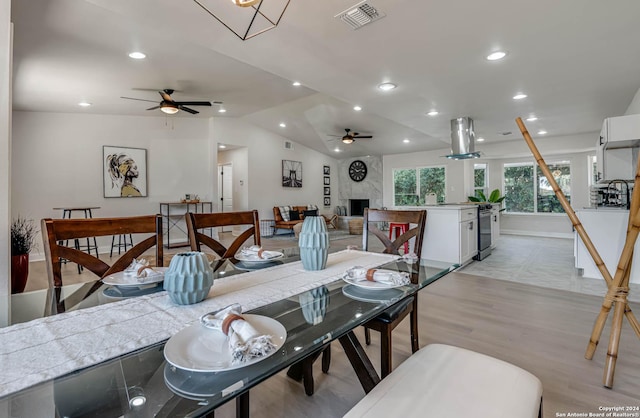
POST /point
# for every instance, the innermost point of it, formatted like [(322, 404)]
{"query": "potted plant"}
[(494, 197), (23, 240)]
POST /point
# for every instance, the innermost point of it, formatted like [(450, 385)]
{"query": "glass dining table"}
[(142, 383)]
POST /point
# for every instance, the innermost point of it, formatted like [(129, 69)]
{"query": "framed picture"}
[(327, 181), (327, 201), (124, 171), (327, 170), (291, 173), (327, 191)]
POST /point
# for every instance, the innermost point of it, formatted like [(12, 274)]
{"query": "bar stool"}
[(399, 229), (88, 247), (122, 243)]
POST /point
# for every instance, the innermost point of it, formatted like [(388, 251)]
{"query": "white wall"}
[(239, 158), (57, 162), (265, 154), (634, 107), (5, 160), (459, 179)]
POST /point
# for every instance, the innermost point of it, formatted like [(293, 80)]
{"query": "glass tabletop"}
[(143, 384)]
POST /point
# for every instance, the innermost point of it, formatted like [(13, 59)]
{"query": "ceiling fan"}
[(349, 138), (170, 106)]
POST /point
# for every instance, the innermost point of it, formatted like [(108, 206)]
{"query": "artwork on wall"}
[(327, 191), (327, 181), (291, 173), (327, 201), (327, 170), (124, 171)]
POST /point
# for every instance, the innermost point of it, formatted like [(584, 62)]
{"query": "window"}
[(412, 184), (480, 179), (593, 170), (528, 190)]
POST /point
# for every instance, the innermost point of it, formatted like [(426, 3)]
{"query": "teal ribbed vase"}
[(188, 278), (314, 243)]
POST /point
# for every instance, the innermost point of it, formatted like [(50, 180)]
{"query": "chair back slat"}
[(199, 221), (56, 233), (417, 218)]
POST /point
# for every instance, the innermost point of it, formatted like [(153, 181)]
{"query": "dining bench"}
[(443, 381)]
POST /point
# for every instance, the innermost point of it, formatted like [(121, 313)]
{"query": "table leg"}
[(242, 405), (359, 361)]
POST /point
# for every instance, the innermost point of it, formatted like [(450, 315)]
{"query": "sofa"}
[(287, 217)]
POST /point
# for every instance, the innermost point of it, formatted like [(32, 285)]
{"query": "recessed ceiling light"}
[(357, 108), (519, 96), (542, 132), (137, 55), (297, 83), (496, 55), (532, 119), (432, 113), (387, 86), (222, 146), (480, 139), (336, 149), (406, 140), (283, 125), (84, 104), (222, 110)]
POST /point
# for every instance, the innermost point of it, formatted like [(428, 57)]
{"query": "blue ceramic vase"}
[(314, 243), (188, 278)]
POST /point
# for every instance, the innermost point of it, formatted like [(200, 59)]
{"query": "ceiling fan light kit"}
[(349, 138), (170, 106), (246, 18)]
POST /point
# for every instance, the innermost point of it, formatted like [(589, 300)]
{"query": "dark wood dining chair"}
[(57, 232), (199, 221), (393, 316)]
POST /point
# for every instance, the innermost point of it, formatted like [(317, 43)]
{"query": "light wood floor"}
[(544, 331)]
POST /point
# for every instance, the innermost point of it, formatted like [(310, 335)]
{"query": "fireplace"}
[(356, 206)]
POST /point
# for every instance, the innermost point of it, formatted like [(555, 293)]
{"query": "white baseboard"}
[(545, 234)]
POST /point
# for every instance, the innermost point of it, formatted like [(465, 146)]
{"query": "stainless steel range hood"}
[(462, 139)]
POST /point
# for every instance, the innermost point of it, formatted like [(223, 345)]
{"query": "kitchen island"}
[(451, 232), (607, 229)]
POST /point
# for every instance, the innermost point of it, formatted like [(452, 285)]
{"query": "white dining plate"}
[(200, 349), (366, 295), (127, 280), (366, 284), (272, 255)]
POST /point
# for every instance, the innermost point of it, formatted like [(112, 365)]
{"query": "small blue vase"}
[(188, 278), (314, 243)]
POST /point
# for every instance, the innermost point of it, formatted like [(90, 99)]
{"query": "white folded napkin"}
[(256, 252), (245, 342), (135, 266), (389, 277)]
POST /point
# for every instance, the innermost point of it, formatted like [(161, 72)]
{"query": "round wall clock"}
[(357, 170)]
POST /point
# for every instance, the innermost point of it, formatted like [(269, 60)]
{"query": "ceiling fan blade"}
[(142, 100), (165, 96), (186, 109), (193, 103), (154, 108), (364, 136)]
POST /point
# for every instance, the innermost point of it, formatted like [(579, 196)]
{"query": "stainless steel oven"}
[(484, 231)]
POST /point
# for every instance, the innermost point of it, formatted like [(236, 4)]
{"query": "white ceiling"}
[(578, 61)]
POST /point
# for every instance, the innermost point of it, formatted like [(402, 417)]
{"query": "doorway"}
[(225, 187)]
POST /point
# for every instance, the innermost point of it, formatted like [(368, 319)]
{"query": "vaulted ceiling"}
[(578, 62)]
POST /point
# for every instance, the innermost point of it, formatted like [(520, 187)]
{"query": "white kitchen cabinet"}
[(614, 152), (607, 229), (495, 225), (451, 233), (468, 240)]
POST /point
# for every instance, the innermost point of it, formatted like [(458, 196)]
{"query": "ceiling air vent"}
[(288, 145), (359, 15)]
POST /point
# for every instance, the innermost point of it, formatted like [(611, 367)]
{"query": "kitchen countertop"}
[(448, 206)]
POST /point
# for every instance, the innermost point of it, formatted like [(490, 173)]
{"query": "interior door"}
[(225, 186)]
